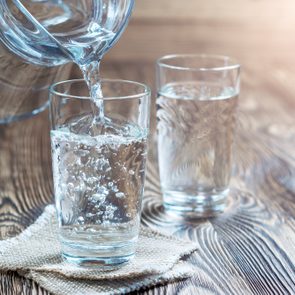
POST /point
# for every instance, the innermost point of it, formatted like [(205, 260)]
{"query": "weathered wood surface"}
[(250, 249)]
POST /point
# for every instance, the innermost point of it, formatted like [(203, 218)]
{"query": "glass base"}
[(191, 206), (106, 263), (25, 115), (106, 257)]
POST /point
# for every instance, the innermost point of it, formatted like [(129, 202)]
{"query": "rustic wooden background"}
[(250, 249)]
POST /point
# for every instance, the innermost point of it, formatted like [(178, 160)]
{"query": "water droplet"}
[(91, 230)]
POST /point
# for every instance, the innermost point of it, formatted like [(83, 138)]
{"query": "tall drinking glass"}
[(99, 176), (196, 111)]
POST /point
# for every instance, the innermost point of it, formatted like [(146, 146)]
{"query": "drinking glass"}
[(99, 177), (196, 110)]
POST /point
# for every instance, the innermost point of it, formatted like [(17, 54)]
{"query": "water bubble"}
[(70, 189), (109, 212), (128, 214), (80, 220), (98, 198), (101, 164), (131, 172), (91, 180), (71, 186), (91, 230), (82, 153), (102, 190), (80, 187), (120, 195)]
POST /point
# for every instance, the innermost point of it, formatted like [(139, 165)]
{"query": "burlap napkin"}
[(35, 254)]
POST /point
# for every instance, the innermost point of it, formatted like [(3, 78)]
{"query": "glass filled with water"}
[(196, 111), (99, 169)]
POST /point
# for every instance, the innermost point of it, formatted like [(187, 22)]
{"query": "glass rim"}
[(232, 66), (146, 89)]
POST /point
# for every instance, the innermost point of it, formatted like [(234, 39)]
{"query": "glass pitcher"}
[(40, 39)]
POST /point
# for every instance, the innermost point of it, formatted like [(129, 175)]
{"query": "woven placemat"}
[(35, 254)]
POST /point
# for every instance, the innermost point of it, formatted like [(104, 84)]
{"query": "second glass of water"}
[(99, 174), (196, 111)]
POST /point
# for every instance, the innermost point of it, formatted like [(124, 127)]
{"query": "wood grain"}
[(250, 248)]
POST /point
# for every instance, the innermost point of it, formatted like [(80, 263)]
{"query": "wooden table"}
[(250, 249)]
